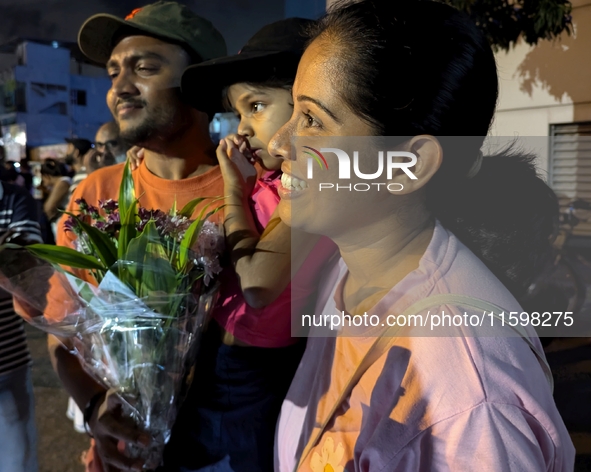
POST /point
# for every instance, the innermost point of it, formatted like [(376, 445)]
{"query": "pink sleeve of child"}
[(265, 198)]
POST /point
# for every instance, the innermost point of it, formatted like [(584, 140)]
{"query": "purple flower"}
[(173, 226), (114, 218), (86, 209), (211, 240), (209, 246), (111, 225), (93, 212), (83, 206), (109, 206), (71, 224), (147, 215), (101, 225)]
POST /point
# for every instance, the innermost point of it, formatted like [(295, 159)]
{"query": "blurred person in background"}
[(97, 160), (56, 184), (18, 448), (108, 139), (8, 173), (25, 172), (13, 169), (75, 154)]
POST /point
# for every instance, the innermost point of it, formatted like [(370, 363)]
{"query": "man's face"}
[(107, 139), (144, 96)]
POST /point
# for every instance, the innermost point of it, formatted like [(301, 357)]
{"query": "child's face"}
[(262, 111)]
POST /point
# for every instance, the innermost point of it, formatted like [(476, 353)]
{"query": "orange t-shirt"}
[(153, 192)]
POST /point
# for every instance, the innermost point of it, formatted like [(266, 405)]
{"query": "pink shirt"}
[(271, 326), (454, 402)]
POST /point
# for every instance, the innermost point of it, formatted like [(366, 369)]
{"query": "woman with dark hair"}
[(463, 238)]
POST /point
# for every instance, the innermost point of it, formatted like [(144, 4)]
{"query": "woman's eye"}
[(311, 122)]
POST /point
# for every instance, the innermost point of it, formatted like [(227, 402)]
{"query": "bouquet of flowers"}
[(134, 296)]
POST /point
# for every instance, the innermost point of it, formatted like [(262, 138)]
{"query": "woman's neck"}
[(379, 257)]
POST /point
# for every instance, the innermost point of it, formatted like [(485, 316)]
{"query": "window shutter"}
[(570, 167)]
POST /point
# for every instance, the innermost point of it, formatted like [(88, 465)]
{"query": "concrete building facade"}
[(52, 93)]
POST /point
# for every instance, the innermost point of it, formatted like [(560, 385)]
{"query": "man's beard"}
[(142, 133), (159, 127)]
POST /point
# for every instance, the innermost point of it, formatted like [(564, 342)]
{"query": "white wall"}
[(546, 84)]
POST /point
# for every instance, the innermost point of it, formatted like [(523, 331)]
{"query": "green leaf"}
[(150, 270), (189, 208), (187, 243), (128, 212), (102, 244), (158, 276), (127, 232), (126, 191), (65, 256), (192, 233)]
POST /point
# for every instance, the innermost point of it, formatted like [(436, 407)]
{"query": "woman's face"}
[(319, 114)]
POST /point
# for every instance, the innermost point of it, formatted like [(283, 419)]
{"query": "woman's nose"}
[(280, 144)]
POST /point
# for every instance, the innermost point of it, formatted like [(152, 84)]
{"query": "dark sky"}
[(61, 19)]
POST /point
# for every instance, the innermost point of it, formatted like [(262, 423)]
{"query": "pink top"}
[(453, 402), (270, 326)]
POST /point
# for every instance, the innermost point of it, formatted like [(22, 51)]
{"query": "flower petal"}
[(316, 463), (338, 454), (327, 449)]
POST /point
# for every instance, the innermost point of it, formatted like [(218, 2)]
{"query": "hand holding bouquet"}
[(135, 293)]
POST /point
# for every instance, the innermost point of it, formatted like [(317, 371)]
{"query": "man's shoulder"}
[(108, 172), (102, 183)]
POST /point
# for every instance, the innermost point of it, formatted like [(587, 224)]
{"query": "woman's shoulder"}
[(457, 384)]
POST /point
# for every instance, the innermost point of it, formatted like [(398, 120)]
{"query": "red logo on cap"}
[(132, 14)]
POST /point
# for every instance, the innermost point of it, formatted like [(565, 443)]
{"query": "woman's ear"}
[(429, 156)]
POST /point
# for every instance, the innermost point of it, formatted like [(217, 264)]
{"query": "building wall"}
[(58, 102), (546, 84), (86, 119)]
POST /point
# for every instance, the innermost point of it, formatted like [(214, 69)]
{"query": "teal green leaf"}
[(102, 244), (189, 208), (128, 211), (65, 256), (126, 191), (192, 233)]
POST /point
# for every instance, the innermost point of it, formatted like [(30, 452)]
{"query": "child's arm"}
[(263, 262)]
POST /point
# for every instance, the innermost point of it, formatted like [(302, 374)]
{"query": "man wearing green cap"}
[(145, 55)]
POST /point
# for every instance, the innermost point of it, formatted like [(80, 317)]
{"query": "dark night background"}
[(60, 20)]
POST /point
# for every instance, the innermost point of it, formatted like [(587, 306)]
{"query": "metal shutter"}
[(570, 166)]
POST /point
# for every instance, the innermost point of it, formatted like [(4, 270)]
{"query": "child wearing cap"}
[(246, 365)]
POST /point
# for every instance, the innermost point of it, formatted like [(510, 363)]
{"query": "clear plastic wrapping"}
[(138, 339)]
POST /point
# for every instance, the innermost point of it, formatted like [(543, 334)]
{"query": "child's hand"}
[(238, 172), (135, 156)]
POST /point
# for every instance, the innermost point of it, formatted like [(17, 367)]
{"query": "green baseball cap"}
[(169, 21)]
